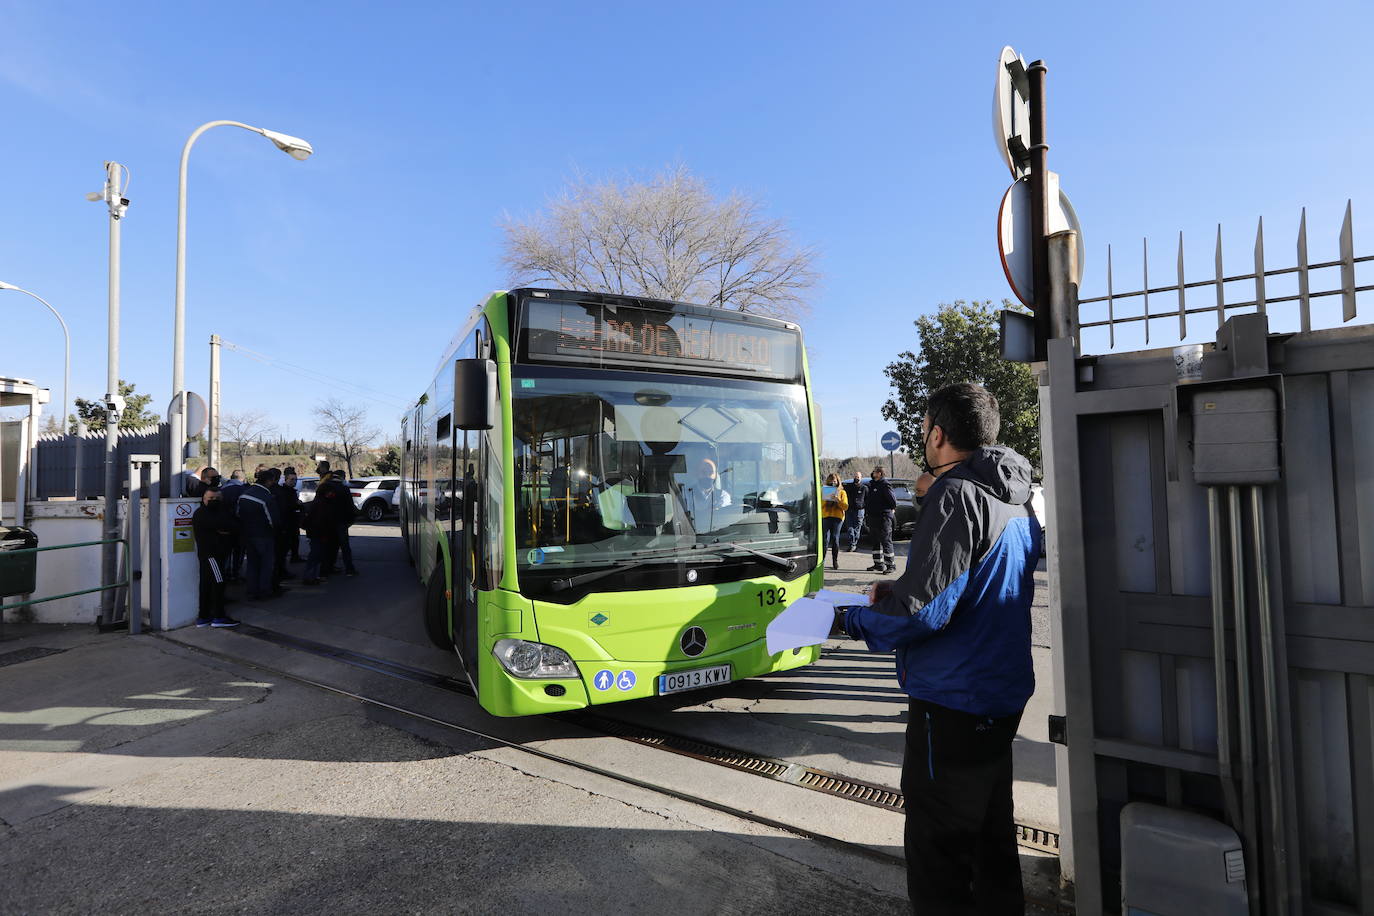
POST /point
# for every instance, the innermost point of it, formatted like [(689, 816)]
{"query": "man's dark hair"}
[(967, 413), (262, 476)]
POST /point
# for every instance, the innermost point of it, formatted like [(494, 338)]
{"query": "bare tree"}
[(667, 238), (244, 429), (347, 426)]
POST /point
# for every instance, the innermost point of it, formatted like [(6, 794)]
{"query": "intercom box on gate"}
[(1236, 432)]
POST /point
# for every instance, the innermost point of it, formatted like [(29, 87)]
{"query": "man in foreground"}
[(959, 620)]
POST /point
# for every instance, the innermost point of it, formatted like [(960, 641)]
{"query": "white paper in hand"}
[(841, 599), (805, 622)]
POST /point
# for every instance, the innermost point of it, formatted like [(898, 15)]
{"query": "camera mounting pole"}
[(116, 185)]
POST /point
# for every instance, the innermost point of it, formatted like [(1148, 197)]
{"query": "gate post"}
[(1080, 862)]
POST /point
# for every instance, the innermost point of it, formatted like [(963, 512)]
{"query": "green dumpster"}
[(18, 573)]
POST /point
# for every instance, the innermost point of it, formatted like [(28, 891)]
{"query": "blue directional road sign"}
[(891, 441)]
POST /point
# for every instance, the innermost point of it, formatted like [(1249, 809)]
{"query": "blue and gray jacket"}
[(959, 615)]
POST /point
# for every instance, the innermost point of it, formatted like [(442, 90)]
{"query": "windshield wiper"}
[(636, 560), (559, 585), (781, 562)]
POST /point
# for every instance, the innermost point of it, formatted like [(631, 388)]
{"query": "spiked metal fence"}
[(1259, 300)]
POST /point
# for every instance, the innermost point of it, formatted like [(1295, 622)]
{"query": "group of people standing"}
[(843, 512), (256, 529)]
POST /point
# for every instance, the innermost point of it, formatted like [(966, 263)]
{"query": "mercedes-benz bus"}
[(609, 497)]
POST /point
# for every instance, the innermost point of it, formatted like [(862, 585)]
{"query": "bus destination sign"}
[(627, 337)]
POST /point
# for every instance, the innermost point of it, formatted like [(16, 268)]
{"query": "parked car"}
[(305, 488), (375, 497), (904, 491)]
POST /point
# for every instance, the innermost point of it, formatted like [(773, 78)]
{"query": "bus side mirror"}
[(474, 393)]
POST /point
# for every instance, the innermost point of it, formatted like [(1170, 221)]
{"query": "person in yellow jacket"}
[(834, 502)]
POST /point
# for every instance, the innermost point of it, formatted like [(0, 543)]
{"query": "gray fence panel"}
[(56, 459), (1150, 730)]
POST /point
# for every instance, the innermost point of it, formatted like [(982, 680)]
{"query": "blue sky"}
[(867, 127)]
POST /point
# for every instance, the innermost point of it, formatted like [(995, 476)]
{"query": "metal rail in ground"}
[(818, 780)]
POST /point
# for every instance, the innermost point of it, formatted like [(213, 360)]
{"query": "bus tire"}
[(436, 611)]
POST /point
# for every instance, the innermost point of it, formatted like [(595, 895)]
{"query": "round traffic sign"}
[(1010, 109), (1014, 234), (196, 412), (891, 441)]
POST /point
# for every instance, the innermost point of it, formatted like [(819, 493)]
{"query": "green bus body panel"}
[(640, 630)]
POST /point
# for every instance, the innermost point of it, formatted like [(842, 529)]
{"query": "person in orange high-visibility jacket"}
[(833, 507)]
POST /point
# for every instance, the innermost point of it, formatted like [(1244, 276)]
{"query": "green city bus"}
[(609, 497)]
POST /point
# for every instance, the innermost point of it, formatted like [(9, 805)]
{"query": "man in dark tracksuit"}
[(258, 522), (289, 514), (214, 526), (853, 526), (959, 620), (881, 508)]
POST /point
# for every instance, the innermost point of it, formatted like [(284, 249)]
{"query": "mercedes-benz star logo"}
[(693, 641)]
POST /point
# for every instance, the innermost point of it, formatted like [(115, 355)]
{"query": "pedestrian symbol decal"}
[(626, 681), (603, 680)]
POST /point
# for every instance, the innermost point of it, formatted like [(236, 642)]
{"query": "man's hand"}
[(878, 591), (837, 630)]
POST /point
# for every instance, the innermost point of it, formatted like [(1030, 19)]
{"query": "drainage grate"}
[(712, 753), (853, 789), (821, 781), (1035, 838), (27, 655)]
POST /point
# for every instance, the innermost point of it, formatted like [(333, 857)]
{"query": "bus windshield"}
[(614, 467)]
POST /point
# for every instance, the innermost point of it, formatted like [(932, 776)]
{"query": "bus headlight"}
[(533, 659)]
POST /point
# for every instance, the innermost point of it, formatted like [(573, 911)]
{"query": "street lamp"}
[(67, 345), (294, 147)]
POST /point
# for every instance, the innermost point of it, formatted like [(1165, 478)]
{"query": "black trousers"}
[(880, 526), (961, 855), (212, 587)]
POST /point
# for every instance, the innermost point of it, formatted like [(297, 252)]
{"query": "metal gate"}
[(1145, 562)]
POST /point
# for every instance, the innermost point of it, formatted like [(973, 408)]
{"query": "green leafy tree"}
[(135, 415), (959, 343), (389, 462)]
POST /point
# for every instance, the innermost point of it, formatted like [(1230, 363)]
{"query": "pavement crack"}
[(574, 786)]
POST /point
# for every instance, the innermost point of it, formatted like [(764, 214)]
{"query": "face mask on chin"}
[(925, 455)]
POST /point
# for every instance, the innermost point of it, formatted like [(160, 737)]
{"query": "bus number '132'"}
[(772, 596)]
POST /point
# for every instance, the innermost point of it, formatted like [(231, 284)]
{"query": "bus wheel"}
[(436, 611)]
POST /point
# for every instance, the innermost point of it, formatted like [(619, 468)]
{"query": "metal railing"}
[(126, 582), (1260, 301)]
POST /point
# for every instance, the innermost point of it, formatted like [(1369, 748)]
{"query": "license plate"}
[(678, 681)]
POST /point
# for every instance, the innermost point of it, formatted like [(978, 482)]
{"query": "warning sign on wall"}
[(183, 541)]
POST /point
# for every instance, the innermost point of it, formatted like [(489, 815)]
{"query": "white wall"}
[(61, 571)]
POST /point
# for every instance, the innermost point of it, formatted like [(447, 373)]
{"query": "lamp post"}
[(116, 186), (292, 146), (66, 345)]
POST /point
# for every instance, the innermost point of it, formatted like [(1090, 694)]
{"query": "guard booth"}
[(1212, 589)]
